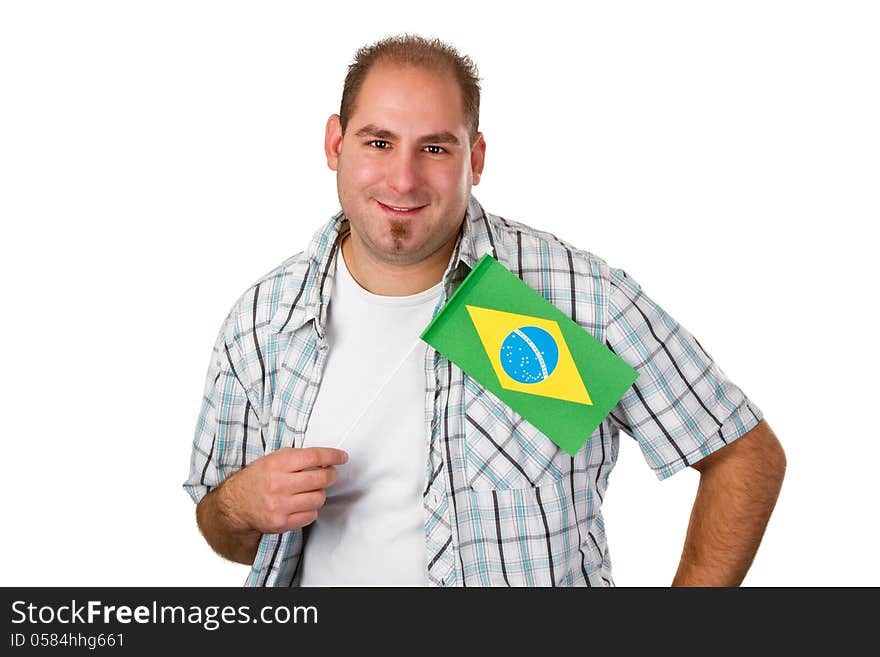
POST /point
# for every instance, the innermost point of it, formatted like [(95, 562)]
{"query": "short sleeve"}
[(682, 407), (228, 430)]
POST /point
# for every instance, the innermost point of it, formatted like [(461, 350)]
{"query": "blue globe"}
[(529, 354)]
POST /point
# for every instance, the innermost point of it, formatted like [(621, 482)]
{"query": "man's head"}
[(406, 138), (433, 55)]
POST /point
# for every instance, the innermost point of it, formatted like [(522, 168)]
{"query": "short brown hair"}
[(413, 50)]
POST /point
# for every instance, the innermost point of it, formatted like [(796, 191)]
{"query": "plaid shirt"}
[(503, 505)]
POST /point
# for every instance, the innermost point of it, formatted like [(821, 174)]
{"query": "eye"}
[(439, 150), (382, 143)]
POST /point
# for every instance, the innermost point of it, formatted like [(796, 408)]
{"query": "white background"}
[(156, 158)]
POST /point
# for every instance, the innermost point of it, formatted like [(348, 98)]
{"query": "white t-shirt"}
[(371, 530)]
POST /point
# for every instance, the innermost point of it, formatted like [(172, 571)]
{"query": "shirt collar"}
[(475, 239)]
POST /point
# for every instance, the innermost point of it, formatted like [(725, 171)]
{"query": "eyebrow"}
[(372, 130)]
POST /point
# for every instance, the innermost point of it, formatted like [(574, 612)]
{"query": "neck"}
[(394, 280)]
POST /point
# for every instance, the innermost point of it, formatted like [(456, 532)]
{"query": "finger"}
[(297, 520), (277, 515), (308, 480), (309, 501), (305, 458)]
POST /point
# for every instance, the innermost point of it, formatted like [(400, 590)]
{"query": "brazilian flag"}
[(532, 356)]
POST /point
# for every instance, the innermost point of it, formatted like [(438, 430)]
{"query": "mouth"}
[(400, 211)]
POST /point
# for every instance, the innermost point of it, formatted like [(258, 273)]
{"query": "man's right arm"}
[(239, 495), (275, 494), (227, 536)]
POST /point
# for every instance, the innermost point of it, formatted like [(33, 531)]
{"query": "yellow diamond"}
[(564, 382)]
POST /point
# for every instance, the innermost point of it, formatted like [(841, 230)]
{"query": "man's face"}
[(405, 165)]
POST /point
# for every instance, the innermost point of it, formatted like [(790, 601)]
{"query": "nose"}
[(403, 176)]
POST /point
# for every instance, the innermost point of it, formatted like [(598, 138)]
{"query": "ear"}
[(478, 158), (333, 141)]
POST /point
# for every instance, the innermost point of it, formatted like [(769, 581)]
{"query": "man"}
[(439, 483)]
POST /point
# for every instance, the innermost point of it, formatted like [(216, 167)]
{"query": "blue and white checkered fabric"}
[(504, 506)]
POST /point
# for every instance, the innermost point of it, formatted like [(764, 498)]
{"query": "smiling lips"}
[(399, 210)]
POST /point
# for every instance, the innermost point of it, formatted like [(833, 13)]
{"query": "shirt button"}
[(435, 498)]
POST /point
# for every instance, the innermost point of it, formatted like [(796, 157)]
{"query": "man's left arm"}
[(739, 485)]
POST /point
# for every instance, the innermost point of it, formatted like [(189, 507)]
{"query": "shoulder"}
[(575, 280), (548, 262), (520, 242), (252, 313)]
